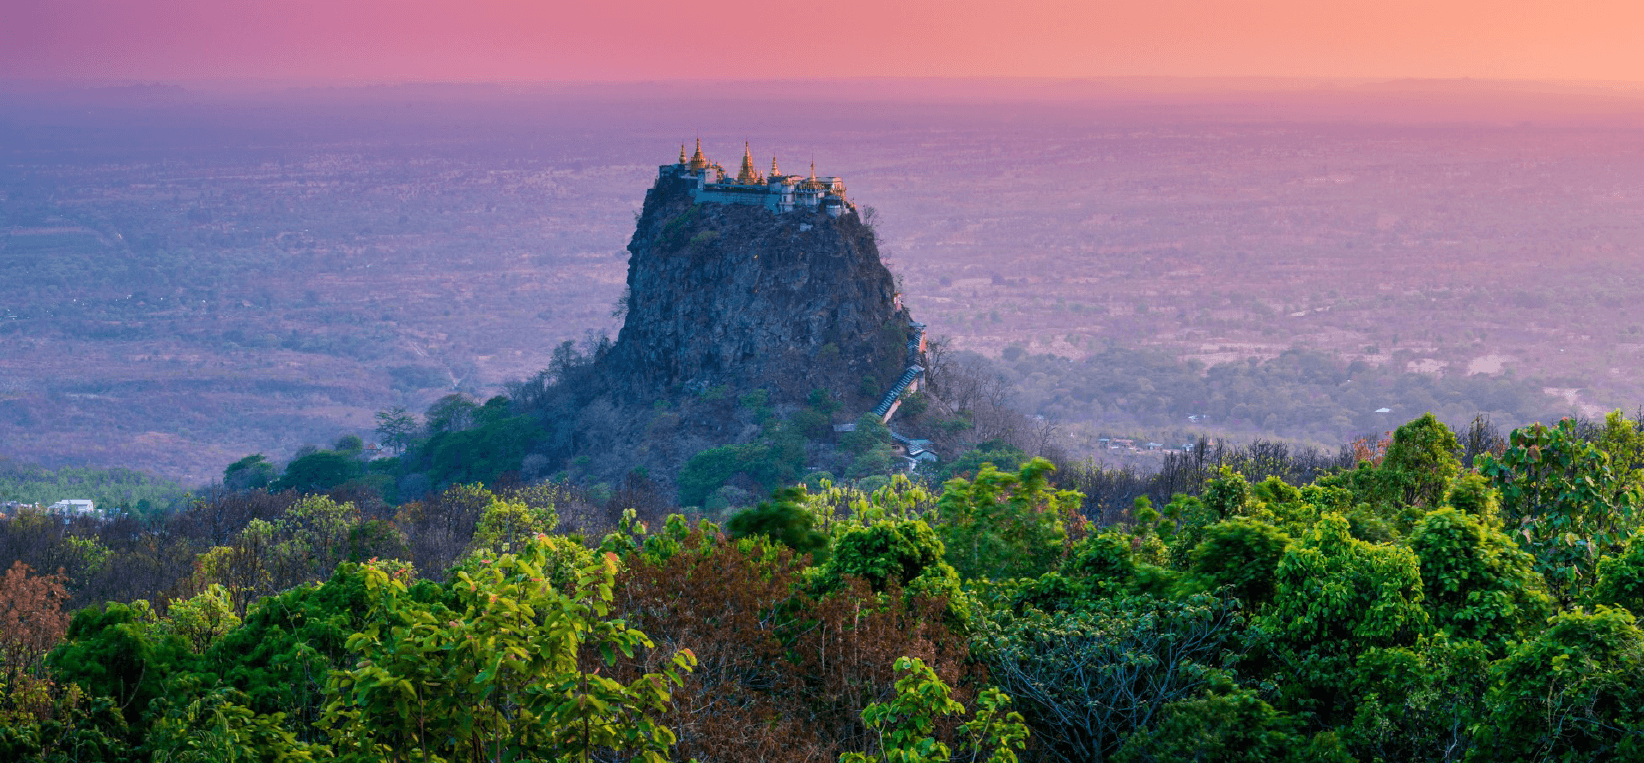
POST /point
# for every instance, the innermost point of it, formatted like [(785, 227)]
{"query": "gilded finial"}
[(698, 161), (747, 175), (774, 171), (682, 158)]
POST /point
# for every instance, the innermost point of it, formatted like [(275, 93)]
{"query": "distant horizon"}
[(1220, 82), (286, 83)]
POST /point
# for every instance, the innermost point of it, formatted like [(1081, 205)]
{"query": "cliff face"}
[(737, 295)]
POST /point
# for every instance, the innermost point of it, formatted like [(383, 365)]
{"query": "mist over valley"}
[(190, 277)]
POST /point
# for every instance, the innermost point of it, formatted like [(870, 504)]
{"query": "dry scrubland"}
[(189, 279)]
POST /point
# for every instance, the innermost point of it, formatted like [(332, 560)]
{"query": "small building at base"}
[(79, 507)]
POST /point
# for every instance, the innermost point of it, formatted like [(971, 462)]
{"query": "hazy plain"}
[(187, 277)]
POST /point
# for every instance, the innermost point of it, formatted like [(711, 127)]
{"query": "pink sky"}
[(491, 40)]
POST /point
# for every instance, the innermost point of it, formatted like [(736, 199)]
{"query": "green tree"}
[(1003, 456), (317, 471), (1566, 501), (1418, 703), (1243, 556), (887, 551), (1086, 679), (314, 536), (453, 413), (1105, 563), (1621, 579), (1228, 725), (119, 651), (786, 519), (1623, 441), (219, 727), (1572, 693), (1228, 495), (507, 525), (249, 473), (376, 539), (904, 728), (709, 469), (1337, 596), (506, 673), (396, 428), (1004, 524), (1425, 450), (869, 433), (350, 444), (203, 619), (1476, 581)]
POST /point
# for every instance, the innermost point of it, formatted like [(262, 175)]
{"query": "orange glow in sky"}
[(622, 40)]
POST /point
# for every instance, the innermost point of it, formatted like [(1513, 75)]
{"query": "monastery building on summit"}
[(776, 192)]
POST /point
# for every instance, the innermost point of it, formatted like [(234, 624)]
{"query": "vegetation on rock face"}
[(1411, 609)]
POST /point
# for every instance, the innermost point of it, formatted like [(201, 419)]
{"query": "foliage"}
[(119, 652), (769, 464), (1476, 582), (202, 620), (904, 727), (868, 434), (887, 553), (219, 727), (396, 428), (481, 449), (135, 492), (1241, 555), (1005, 524), (1566, 501), (71, 727), (1086, 679), (1418, 703), (32, 621), (1571, 693), (1228, 724), (1397, 611), (1425, 450), (1337, 596), (506, 525), (250, 473), (320, 470), (1003, 456), (507, 672), (1621, 578), (1623, 441), (1103, 562), (785, 519)]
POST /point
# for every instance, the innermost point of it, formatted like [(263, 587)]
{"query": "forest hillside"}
[(1430, 602)]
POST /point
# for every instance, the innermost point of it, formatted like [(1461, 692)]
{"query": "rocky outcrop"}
[(738, 295)]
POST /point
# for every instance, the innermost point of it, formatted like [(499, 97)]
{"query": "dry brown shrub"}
[(32, 621), (1366, 449), (782, 675)]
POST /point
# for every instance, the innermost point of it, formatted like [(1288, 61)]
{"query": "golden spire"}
[(747, 175), (812, 182), (774, 171), (682, 158), (698, 161)]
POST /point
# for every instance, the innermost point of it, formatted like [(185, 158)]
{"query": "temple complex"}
[(776, 191)]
